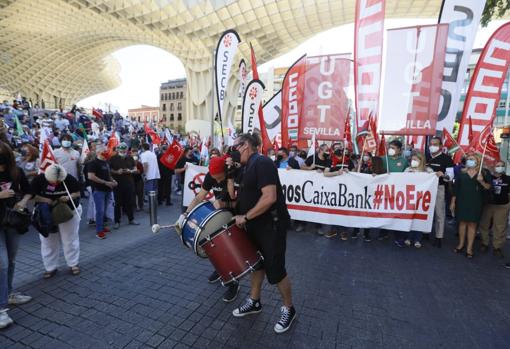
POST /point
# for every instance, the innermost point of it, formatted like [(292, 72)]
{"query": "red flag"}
[(97, 113), (172, 155), (112, 143), (266, 142), (154, 136), (47, 157), (485, 145), (381, 149), (451, 145)]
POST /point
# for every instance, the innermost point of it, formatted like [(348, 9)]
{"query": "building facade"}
[(172, 104), (144, 114)]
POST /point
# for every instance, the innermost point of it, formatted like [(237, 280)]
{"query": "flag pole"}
[(362, 154), (213, 87), (387, 162), (343, 155), (483, 155)]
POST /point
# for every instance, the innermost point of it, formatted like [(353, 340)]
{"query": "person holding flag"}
[(439, 162)]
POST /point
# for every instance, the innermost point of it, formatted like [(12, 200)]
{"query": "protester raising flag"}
[(172, 155), (450, 143), (47, 156), (153, 135), (485, 145)]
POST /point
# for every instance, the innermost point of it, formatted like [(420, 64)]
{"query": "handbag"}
[(17, 219), (61, 213), (42, 221)]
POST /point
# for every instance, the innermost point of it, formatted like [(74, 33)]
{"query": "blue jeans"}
[(101, 199), (150, 185), (9, 241), (414, 236)]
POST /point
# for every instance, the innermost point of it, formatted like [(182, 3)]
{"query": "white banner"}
[(251, 103), (463, 17), (225, 53), (397, 201), (243, 77)]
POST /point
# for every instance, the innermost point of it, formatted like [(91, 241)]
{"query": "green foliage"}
[(494, 9)]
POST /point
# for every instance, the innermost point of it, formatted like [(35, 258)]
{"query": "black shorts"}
[(270, 239)]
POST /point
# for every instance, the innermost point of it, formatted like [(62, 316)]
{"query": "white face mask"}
[(272, 157), (434, 149), (366, 158), (66, 144), (499, 169), (470, 163), (392, 152), (415, 163)]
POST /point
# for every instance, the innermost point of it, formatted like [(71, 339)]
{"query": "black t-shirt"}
[(20, 187), (440, 163), (101, 169), (499, 190), (41, 187), (319, 163), (182, 162), (259, 172), (164, 171), (220, 190), (118, 162)]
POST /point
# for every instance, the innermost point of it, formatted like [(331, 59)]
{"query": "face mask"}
[(407, 153), (272, 157), (415, 163), (135, 158), (123, 154), (292, 154), (500, 169), (338, 152), (470, 163), (66, 144), (392, 152), (434, 149), (366, 158)]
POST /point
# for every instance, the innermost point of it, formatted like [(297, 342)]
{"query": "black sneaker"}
[(249, 307), (214, 277), (507, 265), (367, 237), (288, 315), (231, 293)]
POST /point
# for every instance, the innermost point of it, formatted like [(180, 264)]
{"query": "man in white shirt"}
[(61, 123), (68, 157), (150, 169)]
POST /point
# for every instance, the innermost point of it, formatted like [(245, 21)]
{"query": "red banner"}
[(412, 87), (325, 104), (47, 157), (485, 87), (292, 101), (368, 45)]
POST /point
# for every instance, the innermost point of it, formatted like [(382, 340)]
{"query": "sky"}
[(144, 68)]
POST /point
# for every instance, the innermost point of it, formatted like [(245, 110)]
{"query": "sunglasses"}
[(237, 146)]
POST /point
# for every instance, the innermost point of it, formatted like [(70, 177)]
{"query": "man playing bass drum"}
[(223, 189)]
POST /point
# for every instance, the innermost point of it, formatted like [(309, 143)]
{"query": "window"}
[(179, 117), (502, 103), (171, 106), (179, 106), (164, 107), (162, 96), (171, 117), (171, 125), (182, 94), (164, 118)]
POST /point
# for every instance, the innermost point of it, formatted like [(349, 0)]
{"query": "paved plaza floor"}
[(140, 290)]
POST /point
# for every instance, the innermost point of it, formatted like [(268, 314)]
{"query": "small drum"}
[(232, 253), (201, 222)]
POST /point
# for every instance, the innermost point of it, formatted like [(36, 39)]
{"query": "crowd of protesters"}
[(117, 183)]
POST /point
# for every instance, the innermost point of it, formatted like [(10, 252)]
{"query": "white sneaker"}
[(417, 244), (407, 242), (5, 319), (18, 299)]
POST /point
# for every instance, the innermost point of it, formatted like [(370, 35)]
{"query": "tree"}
[(494, 9)]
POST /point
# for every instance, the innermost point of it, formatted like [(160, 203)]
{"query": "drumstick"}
[(156, 227)]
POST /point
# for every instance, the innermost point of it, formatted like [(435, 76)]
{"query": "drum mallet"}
[(156, 227)]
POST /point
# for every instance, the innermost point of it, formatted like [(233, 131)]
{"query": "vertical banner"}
[(225, 53), (368, 45), (463, 18), (273, 116), (243, 76), (412, 84), (325, 104), (292, 100), (251, 104), (486, 83)]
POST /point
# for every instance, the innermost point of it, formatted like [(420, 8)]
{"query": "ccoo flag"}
[(251, 104)]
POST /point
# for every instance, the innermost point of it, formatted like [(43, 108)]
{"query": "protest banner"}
[(397, 201)]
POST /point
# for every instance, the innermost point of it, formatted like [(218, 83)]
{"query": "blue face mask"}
[(470, 163), (66, 144)]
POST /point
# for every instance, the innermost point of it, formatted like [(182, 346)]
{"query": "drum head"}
[(193, 220), (213, 223)]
